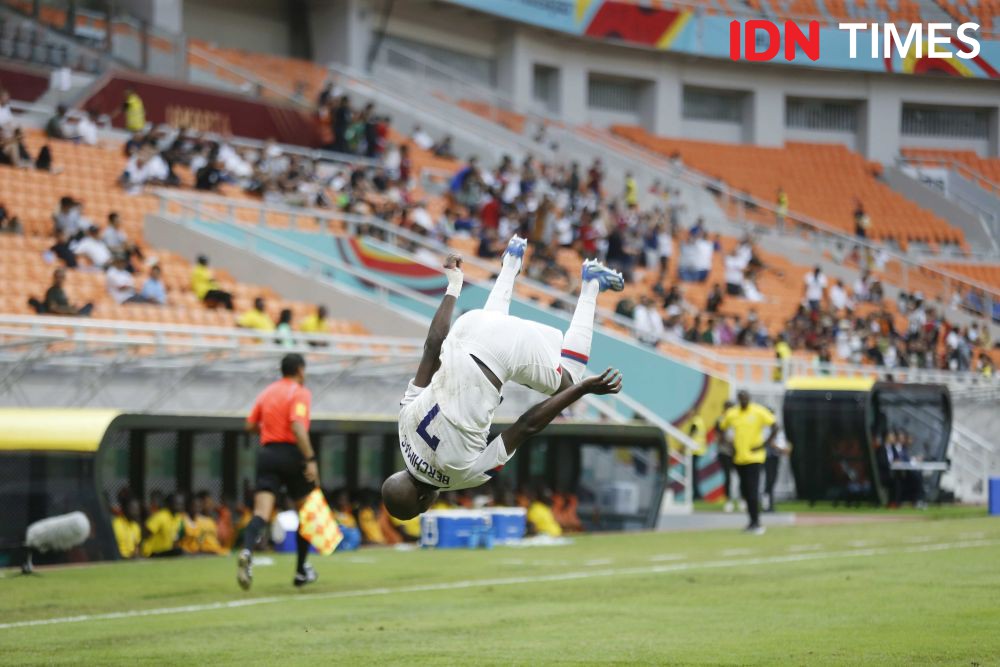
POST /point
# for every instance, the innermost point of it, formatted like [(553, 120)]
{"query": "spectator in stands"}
[(61, 250), (69, 219), (128, 532), (6, 111), (284, 329), (134, 110), (340, 121), (704, 251), (9, 224), (145, 167), (861, 220), (56, 126), (715, 298), (153, 290), (93, 249), (815, 288), (85, 130), (56, 302), (443, 148), (839, 300), (13, 152), (315, 324), (420, 137), (163, 529), (120, 283), (780, 209), (205, 287), (256, 318), (648, 323), (665, 250), (211, 176), (735, 271), (631, 191)]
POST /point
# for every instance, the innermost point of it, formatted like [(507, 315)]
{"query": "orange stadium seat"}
[(823, 182), (89, 174)]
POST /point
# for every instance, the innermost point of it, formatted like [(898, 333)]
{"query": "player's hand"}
[(608, 382), (311, 472), (454, 261)]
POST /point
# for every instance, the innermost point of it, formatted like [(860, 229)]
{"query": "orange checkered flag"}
[(317, 525)]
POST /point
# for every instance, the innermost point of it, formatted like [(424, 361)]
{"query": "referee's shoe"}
[(305, 576)]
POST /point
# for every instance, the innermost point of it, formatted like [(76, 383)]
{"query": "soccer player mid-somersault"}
[(448, 407)]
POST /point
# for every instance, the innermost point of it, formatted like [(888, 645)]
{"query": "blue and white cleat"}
[(607, 278), (516, 247)]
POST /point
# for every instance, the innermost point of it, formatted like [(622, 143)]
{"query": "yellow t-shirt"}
[(696, 430), (312, 324), (748, 432), (370, 529), (783, 351), (135, 113), (631, 192), (410, 527), (164, 527), (201, 280), (540, 516), (254, 319), (128, 534)]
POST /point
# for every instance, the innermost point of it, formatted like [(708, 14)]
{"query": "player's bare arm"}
[(311, 471), (440, 324), (541, 415)]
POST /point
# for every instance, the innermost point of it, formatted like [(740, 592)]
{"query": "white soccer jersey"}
[(443, 428)]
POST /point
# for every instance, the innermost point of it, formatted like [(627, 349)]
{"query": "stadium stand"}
[(88, 174), (824, 181), (988, 168)]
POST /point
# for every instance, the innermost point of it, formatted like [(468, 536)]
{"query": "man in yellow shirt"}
[(163, 529), (540, 516), (205, 287), (316, 323), (256, 318), (135, 112), (127, 531), (749, 421)]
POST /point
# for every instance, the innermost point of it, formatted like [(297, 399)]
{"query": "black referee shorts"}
[(281, 464)]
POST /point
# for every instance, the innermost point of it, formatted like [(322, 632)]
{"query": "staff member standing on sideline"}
[(281, 417), (748, 421)]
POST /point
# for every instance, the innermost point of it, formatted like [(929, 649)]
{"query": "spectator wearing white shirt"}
[(815, 288), (665, 250), (6, 112), (648, 323), (114, 237), (69, 219), (92, 247), (121, 283), (704, 250), (735, 272), (838, 296), (86, 129), (421, 138), (144, 167)]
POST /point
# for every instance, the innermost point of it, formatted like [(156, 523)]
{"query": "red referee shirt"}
[(282, 403)]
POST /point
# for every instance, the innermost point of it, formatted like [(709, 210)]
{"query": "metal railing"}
[(960, 168), (252, 81), (749, 370), (818, 233)]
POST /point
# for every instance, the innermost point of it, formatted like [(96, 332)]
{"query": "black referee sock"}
[(251, 534), (301, 551)]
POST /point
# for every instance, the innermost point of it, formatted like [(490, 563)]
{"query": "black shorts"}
[(280, 464)]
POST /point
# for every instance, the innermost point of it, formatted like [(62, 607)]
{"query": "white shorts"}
[(516, 350)]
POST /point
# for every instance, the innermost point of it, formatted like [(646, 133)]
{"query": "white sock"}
[(503, 290), (576, 342)]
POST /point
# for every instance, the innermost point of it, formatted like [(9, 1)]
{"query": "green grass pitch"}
[(916, 592)]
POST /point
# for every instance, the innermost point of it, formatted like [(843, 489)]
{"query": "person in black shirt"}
[(61, 250), (714, 299), (341, 121), (56, 302)]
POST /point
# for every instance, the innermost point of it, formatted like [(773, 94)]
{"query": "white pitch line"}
[(735, 552), (798, 548), (506, 581), (594, 562), (661, 558)]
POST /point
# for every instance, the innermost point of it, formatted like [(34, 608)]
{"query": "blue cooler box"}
[(509, 523), (455, 529), (994, 491)]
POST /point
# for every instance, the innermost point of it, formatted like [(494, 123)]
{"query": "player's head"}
[(744, 398), (293, 367), (405, 497)]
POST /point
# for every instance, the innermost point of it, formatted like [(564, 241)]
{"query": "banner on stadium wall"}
[(206, 110), (690, 31)]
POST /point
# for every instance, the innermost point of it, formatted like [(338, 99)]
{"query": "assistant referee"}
[(749, 421), (286, 460)]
